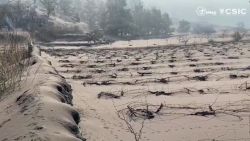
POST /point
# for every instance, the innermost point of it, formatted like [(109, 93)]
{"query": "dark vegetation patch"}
[(107, 95), (80, 77)]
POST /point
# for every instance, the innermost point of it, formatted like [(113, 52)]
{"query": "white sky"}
[(186, 9)]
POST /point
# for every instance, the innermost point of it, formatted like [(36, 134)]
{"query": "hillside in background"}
[(32, 16)]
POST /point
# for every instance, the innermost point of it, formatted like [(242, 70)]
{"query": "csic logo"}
[(233, 11), (202, 11)]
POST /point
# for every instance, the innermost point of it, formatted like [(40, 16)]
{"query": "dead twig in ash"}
[(163, 80), (141, 111), (79, 77), (158, 93), (144, 73), (100, 83), (209, 112), (244, 86), (144, 111), (137, 134)]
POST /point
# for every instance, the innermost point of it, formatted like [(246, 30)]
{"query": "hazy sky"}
[(186, 9)]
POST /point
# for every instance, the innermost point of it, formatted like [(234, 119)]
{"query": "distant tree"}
[(156, 21), (90, 14), (224, 33), (2, 17), (18, 12), (241, 27), (184, 26), (240, 32), (117, 19), (94, 36), (204, 29), (77, 8), (3, 12), (237, 36), (66, 7), (49, 5), (127, 20), (139, 17), (150, 22), (166, 24)]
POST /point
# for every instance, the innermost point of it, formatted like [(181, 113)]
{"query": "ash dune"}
[(196, 93), (41, 109)]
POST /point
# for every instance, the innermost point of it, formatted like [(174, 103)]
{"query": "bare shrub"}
[(238, 36), (13, 53), (184, 39)]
